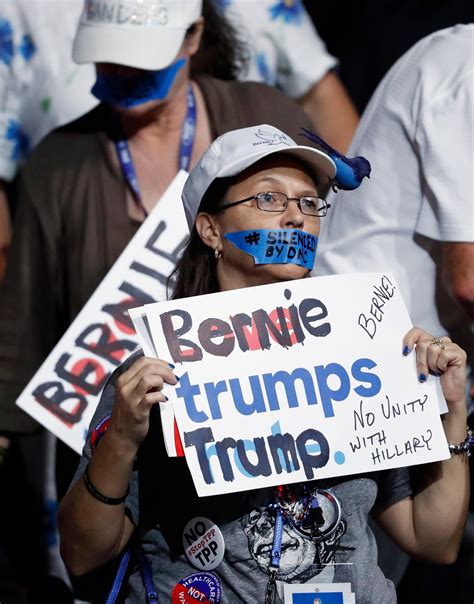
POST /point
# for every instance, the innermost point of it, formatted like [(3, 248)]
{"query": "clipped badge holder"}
[(318, 593)]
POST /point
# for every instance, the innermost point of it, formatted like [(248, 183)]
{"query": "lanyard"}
[(147, 578), (275, 559), (188, 133), (145, 572), (302, 513)]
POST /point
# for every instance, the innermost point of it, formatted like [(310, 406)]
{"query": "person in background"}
[(415, 216), (286, 51), (41, 87), (126, 488)]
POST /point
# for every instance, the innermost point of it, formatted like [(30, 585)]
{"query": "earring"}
[(217, 254)]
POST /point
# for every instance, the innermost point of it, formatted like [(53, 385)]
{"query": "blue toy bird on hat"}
[(350, 170)]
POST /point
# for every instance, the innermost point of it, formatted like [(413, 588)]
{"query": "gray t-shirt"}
[(162, 501)]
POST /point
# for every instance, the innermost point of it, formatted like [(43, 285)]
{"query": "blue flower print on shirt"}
[(27, 47), (263, 69), (6, 42), (21, 141), (289, 11)]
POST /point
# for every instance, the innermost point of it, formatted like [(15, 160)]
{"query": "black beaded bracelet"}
[(97, 495), (464, 447)]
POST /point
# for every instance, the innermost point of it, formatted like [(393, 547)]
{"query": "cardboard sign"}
[(63, 394), (295, 381)]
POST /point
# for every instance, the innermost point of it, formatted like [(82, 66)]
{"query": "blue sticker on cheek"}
[(279, 246)]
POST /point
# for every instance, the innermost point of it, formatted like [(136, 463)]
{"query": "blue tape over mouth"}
[(277, 246), (129, 91)]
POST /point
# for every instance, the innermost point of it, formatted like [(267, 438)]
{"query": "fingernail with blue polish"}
[(171, 365), (177, 377), (166, 399), (422, 377), (406, 350)]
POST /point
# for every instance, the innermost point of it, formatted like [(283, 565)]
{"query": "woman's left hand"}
[(443, 357)]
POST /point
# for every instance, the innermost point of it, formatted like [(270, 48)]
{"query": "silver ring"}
[(439, 342)]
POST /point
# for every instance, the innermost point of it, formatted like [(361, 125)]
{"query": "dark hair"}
[(221, 53), (196, 270)]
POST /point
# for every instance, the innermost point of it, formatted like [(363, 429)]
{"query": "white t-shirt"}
[(283, 45), (41, 87), (417, 133)]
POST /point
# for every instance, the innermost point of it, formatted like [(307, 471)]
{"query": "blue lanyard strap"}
[(188, 134), (147, 578), (128, 169), (270, 592), (117, 584), (277, 540)]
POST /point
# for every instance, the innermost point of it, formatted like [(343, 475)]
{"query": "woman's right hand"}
[(93, 532), (137, 390)]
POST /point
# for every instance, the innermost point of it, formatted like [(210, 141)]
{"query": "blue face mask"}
[(277, 246), (129, 91)]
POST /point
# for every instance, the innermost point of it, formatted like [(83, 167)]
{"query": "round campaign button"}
[(203, 543), (204, 588)]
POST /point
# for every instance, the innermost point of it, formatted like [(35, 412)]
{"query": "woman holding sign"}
[(254, 206)]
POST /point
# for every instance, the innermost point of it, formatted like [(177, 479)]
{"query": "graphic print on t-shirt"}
[(302, 557)]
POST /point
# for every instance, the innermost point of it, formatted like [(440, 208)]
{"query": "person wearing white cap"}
[(251, 180)]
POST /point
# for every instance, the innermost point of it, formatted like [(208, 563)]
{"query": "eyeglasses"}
[(271, 201)]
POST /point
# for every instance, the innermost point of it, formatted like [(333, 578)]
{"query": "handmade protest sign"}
[(140, 322), (283, 383), (63, 394)]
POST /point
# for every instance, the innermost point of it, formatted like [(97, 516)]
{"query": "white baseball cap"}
[(146, 34), (233, 152)]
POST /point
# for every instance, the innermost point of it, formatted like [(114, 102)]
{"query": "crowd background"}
[(328, 57)]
